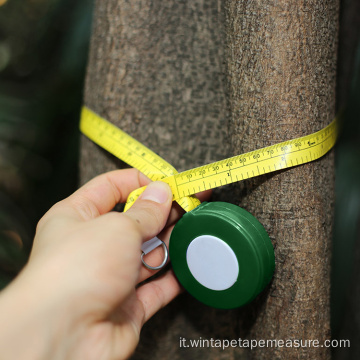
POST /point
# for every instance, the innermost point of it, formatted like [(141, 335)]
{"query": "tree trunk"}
[(282, 73), (156, 69)]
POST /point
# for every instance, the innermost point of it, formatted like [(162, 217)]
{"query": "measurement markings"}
[(245, 159), (147, 161)]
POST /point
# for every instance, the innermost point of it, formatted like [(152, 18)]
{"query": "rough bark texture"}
[(156, 69), (281, 70)]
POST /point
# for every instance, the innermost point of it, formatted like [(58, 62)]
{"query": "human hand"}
[(77, 298)]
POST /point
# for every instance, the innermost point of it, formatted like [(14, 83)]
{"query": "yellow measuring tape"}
[(185, 184)]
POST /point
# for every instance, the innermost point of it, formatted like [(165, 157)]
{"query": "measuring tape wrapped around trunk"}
[(219, 252)]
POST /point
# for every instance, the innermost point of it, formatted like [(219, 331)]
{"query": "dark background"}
[(43, 52)]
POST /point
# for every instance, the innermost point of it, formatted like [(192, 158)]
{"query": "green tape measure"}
[(219, 252)]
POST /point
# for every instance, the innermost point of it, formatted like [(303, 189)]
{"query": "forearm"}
[(27, 330)]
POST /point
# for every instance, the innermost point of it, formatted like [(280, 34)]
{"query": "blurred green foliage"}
[(43, 52), (345, 299)]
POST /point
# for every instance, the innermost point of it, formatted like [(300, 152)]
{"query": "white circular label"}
[(212, 262)]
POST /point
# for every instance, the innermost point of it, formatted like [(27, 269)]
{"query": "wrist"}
[(30, 327)]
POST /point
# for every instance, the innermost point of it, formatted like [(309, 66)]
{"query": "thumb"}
[(152, 209)]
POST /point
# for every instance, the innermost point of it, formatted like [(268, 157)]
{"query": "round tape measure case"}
[(221, 254)]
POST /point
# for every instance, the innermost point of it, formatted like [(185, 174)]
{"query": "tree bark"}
[(156, 69), (282, 72)]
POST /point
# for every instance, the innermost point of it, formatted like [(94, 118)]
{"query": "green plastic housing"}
[(246, 237)]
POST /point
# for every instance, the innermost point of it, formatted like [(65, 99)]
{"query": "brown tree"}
[(197, 81)]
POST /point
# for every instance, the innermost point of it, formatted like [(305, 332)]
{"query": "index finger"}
[(102, 193)]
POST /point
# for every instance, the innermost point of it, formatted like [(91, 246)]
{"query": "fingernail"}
[(157, 191)]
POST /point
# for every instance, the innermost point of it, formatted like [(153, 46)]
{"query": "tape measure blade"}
[(268, 159), (129, 150), (123, 146)]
